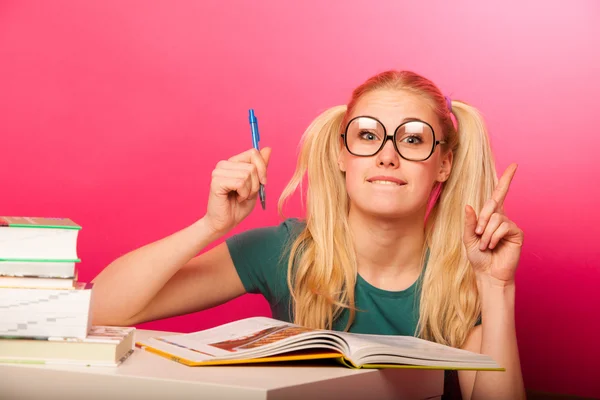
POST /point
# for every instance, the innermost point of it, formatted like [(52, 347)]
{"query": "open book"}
[(261, 339)]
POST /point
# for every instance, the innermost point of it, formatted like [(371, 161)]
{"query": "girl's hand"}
[(234, 188), (493, 242)]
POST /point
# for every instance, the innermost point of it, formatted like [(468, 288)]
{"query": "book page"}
[(408, 347), (248, 338), (386, 359)]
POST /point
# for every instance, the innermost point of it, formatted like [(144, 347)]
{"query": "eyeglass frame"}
[(391, 137)]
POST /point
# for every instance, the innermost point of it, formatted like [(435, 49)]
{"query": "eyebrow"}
[(407, 119)]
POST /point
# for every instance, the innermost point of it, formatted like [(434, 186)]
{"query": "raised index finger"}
[(504, 184)]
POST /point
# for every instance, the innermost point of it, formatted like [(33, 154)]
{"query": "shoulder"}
[(293, 227), (290, 227), (260, 257), (270, 236)]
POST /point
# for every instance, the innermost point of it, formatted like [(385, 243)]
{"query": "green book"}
[(38, 222), (38, 239)]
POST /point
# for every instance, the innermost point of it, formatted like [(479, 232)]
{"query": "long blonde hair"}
[(322, 266)]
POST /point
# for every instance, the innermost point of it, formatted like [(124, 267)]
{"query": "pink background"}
[(114, 113)]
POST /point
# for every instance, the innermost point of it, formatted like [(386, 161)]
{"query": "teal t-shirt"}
[(261, 255)]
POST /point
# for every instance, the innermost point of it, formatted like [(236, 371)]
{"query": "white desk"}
[(147, 376)]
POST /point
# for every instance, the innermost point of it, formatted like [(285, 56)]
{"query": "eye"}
[(412, 139), (366, 135)]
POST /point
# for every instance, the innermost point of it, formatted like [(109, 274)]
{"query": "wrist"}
[(486, 281), (494, 294), (205, 232)]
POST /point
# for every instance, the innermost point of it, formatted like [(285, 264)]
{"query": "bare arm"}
[(496, 337), (162, 279), (467, 378)]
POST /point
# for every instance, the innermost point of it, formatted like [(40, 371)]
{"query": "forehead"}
[(391, 107)]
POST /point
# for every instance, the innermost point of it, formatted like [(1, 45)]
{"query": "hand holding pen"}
[(235, 187)]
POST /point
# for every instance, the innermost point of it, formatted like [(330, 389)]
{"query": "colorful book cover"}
[(38, 222)]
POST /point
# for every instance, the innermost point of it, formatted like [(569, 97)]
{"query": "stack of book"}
[(44, 309)]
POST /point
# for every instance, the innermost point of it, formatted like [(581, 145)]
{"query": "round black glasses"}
[(414, 140)]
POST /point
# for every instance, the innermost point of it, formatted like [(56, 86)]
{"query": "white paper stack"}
[(30, 313)]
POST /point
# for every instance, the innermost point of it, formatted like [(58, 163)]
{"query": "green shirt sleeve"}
[(260, 257)]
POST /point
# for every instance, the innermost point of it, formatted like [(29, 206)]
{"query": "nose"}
[(388, 156)]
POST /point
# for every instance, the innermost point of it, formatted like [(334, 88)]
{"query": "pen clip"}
[(254, 127)]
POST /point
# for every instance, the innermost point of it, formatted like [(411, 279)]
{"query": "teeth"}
[(385, 183)]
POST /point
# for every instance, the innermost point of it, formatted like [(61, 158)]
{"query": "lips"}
[(386, 180)]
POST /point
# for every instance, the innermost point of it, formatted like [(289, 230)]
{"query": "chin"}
[(389, 211), (388, 205)]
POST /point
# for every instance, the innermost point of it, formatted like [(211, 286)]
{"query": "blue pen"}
[(255, 140)]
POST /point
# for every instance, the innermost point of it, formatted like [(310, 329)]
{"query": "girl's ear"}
[(445, 168), (341, 162)]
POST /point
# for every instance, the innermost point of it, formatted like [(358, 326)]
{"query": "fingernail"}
[(479, 230), (482, 246)]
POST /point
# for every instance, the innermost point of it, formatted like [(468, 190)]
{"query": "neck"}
[(389, 251)]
